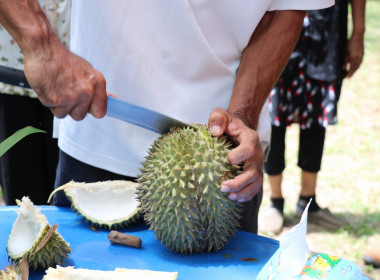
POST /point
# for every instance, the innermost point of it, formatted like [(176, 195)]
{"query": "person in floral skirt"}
[(307, 93)]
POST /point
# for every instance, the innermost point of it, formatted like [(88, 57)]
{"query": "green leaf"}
[(17, 136)]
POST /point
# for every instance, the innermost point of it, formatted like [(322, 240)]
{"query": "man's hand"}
[(66, 83), (261, 64), (63, 81), (244, 186)]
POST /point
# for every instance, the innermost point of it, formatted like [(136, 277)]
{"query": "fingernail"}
[(232, 196), (224, 188), (215, 130)]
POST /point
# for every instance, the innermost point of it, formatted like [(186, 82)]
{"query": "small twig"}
[(49, 234), (120, 238), (93, 228)]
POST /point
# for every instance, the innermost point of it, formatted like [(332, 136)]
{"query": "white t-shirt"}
[(177, 57)]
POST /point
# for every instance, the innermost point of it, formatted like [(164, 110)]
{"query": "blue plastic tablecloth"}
[(242, 258)]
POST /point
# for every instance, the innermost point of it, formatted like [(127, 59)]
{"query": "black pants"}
[(28, 168), (310, 151), (71, 169)]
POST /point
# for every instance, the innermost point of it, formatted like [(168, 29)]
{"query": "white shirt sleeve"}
[(300, 4)]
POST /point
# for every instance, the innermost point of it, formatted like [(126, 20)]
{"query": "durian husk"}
[(71, 273), (34, 240), (107, 204), (179, 190), (11, 273), (18, 272)]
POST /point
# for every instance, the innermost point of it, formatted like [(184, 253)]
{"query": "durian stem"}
[(120, 238)]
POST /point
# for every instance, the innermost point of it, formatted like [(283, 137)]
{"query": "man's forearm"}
[(63, 81), (27, 24), (263, 61)]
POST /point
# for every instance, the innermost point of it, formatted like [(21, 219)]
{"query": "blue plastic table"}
[(242, 258)]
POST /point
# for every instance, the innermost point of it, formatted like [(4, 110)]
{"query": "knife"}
[(116, 108), (141, 116), (13, 77)]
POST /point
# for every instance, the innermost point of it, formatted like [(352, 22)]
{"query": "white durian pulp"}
[(71, 273), (108, 203), (27, 229)]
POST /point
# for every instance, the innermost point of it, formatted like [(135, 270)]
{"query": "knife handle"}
[(13, 77)]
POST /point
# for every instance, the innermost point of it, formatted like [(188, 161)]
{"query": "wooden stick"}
[(120, 238)]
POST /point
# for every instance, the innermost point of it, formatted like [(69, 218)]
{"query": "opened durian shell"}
[(108, 204), (71, 273), (34, 240)]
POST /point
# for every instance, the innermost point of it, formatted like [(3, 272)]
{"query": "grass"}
[(349, 182)]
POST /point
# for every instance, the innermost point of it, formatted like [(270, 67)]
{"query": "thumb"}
[(218, 121)]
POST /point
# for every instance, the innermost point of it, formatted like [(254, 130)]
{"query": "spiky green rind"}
[(179, 190), (52, 253), (112, 225)]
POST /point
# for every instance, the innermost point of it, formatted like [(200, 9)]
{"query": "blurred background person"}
[(307, 93), (29, 168)]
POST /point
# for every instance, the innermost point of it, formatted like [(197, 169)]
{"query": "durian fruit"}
[(108, 204), (179, 190), (71, 273), (11, 273), (33, 239)]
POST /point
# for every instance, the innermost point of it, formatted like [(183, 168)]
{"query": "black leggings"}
[(309, 154)]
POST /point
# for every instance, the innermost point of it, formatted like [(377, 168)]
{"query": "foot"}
[(271, 220), (372, 257), (320, 216), (324, 218)]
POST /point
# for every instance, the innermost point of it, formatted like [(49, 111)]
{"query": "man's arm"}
[(261, 65), (70, 85)]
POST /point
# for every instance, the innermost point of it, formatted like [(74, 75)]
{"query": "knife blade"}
[(116, 108), (141, 116)]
